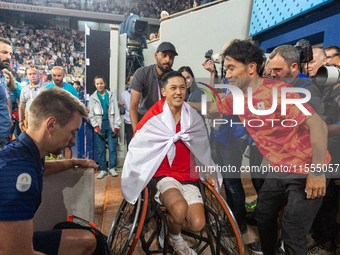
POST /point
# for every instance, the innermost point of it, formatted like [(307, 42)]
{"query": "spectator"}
[(22, 166), (145, 85), (163, 15), (105, 119), (58, 81), (228, 144), (152, 36), (194, 94), (79, 89), (28, 93), (125, 98), (5, 100), (14, 90)]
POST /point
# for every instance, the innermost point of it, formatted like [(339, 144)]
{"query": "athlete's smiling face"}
[(175, 92)]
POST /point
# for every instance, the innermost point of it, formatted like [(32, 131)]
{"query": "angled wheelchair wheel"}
[(222, 223), (127, 225)]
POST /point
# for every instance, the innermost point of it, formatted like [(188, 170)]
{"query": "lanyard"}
[(159, 90), (31, 94)]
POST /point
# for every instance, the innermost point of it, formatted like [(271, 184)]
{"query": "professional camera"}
[(214, 57), (305, 50), (136, 41), (327, 75)]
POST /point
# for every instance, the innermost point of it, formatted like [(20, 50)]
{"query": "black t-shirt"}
[(148, 83)]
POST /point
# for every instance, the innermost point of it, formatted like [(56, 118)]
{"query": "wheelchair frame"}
[(134, 222)]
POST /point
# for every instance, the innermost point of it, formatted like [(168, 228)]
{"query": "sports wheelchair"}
[(143, 221)]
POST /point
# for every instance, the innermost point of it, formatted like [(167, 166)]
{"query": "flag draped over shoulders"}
[(154, 139)]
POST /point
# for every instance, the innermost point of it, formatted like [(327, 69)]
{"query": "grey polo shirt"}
[(148, 83), (28, 93)]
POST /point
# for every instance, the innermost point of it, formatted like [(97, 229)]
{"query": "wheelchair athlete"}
[(165, 144)]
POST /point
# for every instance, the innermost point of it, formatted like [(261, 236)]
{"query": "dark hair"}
[(333, 48), (288, 52), (5, 40), (170, 75), (186, 69), (336, 55), (245, 52), (99, 77), (12, 85), (76, 82), (128, 78)]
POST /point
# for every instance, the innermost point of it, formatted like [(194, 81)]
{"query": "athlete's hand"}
[(211, 180)]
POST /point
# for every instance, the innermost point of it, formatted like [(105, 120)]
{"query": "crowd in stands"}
[(143, 8), (44, 47)]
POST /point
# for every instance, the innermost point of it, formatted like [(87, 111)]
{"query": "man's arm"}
[(316, 185), (16, 238), (135, 96), (210, 66), (55, 166), (22, 107), (211, 107), (9, 106)]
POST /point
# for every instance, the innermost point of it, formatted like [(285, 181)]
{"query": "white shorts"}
[(190, 192)]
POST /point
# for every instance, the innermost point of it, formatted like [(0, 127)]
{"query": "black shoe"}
[(250, 220), (255, 247)]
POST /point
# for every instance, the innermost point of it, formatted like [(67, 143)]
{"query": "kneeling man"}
[(165, 144), (55, 117)]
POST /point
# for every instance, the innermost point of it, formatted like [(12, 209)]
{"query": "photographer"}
[(227, 147), (146, 83), (325, 226), (319, 59), (284, 64)]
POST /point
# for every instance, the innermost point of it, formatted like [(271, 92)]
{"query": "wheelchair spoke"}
[(230, 239)]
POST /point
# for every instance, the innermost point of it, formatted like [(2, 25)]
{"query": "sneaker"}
[(255, 247), (161, 237), (113, 172), (311, 243), (251, 205), (182, 248), (321, 250), (280, 251), (101, 174)]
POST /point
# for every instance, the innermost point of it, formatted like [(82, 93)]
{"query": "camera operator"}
[(325, 226), (319, 59), (147, 81), (284, 64)]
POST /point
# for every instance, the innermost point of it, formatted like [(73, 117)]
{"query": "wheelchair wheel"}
[(127, 225), (224, 228)]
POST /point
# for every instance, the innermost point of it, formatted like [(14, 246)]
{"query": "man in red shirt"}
[(165, 144), (294, 143)]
